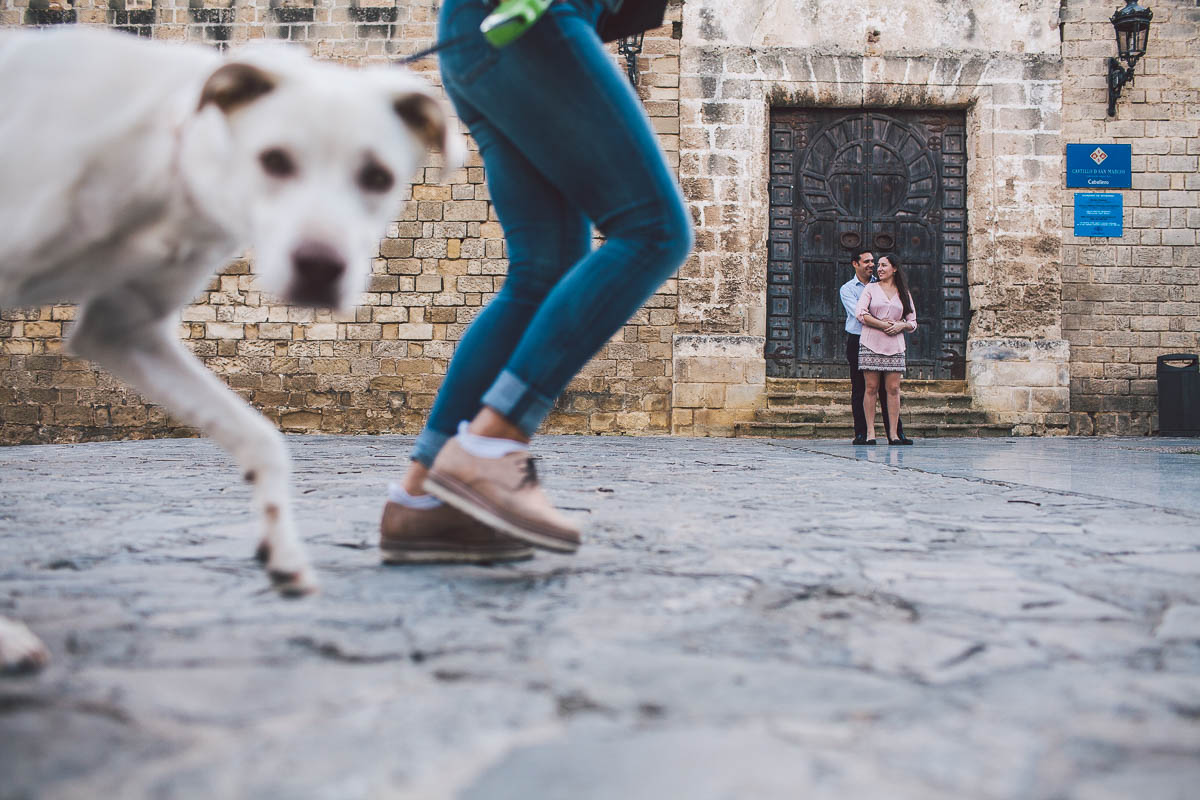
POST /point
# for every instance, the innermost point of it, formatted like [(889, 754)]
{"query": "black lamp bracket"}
[(630, 47), (1118, 76)]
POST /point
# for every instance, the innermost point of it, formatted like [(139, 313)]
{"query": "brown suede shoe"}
[(442, 535), (502, 493)]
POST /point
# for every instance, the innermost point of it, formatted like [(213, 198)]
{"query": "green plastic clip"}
[(511, 19)]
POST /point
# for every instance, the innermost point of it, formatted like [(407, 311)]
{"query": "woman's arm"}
[(864, 303), (911, 318), (865, 316)]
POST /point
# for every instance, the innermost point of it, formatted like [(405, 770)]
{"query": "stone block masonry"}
[(1062, 334), (375, 369), (736, 69), (1128, 300)]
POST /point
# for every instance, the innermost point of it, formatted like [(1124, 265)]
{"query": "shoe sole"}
[(451, 556), (456, 494)]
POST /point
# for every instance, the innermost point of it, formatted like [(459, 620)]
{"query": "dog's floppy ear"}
[(235, 84), (426, 116)]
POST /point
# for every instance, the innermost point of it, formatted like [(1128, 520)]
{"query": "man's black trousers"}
[(858, 387)]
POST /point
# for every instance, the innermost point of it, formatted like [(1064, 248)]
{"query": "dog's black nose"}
[(318, 269)]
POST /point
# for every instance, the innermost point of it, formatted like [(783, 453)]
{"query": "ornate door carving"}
[(894, 182)]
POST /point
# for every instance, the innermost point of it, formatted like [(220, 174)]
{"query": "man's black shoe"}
[(860, 439)]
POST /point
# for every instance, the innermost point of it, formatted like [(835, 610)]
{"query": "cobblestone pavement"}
[(748, 619)]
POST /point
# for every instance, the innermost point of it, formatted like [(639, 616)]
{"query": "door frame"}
[(942, 138)]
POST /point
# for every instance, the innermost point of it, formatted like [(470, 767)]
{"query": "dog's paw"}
[(20, 650), (293, 583), (290, 573)]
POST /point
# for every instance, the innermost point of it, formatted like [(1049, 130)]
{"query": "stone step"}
[(827, 430), (828, 398), (804, 385), (842, 414), (819, 408)]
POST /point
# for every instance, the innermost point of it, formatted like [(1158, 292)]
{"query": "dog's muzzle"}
[(318, 272)]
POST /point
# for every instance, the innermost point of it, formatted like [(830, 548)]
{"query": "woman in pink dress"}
[(887, 313)]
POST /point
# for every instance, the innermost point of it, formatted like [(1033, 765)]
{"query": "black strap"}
[(428, 51), (633, 17)]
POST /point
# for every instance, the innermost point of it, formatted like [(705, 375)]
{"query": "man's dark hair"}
[(856, 255)]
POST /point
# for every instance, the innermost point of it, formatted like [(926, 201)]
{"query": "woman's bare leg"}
[(414, 479), (870, 398), (496, 426), (892, 387)]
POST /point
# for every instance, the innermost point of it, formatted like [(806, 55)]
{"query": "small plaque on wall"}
[(1098, 214), (1099, 165)]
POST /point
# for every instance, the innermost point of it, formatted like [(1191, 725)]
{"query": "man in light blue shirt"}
[(863, 262)]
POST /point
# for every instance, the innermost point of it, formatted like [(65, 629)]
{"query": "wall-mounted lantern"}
[(631, 47), (1132, 24)]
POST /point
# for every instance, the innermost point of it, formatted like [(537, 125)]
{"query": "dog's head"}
[(321, 157)]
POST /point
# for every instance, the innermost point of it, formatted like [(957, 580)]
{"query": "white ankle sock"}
[(420, 502), (486, 446)]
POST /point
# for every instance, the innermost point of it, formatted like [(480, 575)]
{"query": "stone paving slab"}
[(747, 619), (1155, 471)]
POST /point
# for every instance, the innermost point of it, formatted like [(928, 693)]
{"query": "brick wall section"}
[(1128, 300), (375, 369), (690, 361), (627, 387)]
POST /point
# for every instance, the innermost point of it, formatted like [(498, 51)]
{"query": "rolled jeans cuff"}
[(518, 402), (428, 445)]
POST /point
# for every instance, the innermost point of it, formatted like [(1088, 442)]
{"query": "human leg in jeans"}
[(566, 144)]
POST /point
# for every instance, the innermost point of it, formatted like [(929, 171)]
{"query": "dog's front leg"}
[(20, 650), (151, 359)]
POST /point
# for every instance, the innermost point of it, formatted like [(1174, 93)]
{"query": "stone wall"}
[(377, 368), (739, 61), (1063, 335), (1127, 301)]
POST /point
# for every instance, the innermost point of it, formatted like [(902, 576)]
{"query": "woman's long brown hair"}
[(901, 283)]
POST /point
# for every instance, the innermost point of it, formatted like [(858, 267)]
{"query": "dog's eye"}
[(277, 163), (375, 178)]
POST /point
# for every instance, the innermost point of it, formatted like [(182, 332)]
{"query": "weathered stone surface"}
[(972, 26), (441, 254), (1123, 301), (1005, 619)]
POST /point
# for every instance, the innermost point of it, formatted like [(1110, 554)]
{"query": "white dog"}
[(130, 171)]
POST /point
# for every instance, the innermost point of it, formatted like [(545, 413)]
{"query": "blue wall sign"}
[(1098, 214), (1106, 166)]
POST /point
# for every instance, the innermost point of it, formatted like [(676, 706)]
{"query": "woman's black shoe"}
[(902, 440), (870, 441)]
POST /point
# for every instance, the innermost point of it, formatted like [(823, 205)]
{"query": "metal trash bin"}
[(1179, 395)]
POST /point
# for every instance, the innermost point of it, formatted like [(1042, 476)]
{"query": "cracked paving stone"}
[(997, 619)]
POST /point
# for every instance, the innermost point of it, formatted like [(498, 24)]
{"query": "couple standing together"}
[(879, 311)]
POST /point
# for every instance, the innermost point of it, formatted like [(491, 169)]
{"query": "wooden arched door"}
[(893, 182)]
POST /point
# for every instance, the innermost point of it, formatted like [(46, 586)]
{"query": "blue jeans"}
[(566, 144)]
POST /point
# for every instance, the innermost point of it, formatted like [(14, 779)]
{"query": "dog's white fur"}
[(130, 171)]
